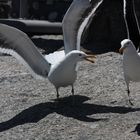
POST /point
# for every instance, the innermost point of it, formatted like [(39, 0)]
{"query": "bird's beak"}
[(121, 50), (90, 58)]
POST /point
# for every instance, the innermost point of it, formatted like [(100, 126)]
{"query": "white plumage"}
[(131, 63)]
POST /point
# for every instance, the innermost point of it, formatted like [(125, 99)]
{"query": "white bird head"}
[(125, 44), (79, 56)]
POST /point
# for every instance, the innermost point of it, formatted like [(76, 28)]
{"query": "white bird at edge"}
[(59, 68), (131, 63)]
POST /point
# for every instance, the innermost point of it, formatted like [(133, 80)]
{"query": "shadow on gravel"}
[(137, 129), (80, 111)]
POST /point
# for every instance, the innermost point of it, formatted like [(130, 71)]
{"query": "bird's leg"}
[(129, 99), (72, 91), (128, 93), (56, 104), (57, 91)]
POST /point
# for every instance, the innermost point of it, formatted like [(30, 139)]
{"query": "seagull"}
[(58, 67), (131, 63), (131, 57)]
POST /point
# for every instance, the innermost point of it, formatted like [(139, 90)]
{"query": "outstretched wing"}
[(76, 21), (71, 22), (19, 45)]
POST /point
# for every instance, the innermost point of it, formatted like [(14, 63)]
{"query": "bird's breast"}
[(62, 76), (131, 67)]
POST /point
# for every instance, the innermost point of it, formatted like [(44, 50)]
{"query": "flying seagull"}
[(131, 63), (59, 68)]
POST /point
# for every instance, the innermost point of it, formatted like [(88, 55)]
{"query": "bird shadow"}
[(137, 129), (79, 110), (48, 45)]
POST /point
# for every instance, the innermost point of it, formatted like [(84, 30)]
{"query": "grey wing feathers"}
[(18, 44)]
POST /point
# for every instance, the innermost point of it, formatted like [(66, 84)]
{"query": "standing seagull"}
[(131, 63), (61, 72), (131, 57)]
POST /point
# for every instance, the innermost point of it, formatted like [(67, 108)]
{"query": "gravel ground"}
[(101, 110)]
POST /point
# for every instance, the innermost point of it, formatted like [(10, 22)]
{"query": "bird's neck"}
[(70, 62), (130, 52)]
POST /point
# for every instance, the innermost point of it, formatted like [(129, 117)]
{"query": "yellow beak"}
[(90, 58)]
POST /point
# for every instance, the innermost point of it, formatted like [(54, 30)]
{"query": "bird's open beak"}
[(121, 50), (90, 58)]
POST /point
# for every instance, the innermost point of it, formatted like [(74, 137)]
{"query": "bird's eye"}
[(127, 43), (80, 54)]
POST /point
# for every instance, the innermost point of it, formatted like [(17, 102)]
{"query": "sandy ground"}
[(101, 110)]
